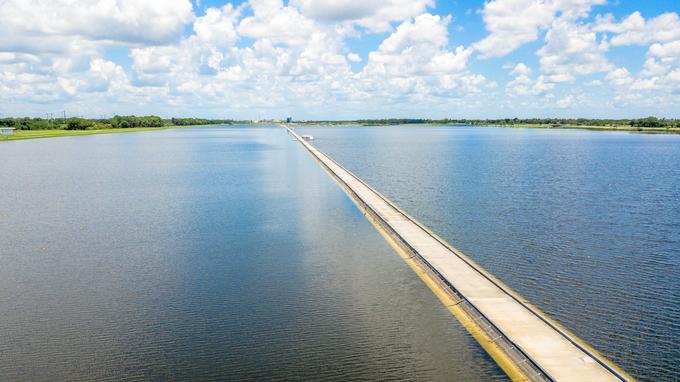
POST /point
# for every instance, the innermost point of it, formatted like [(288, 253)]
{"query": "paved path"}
[(559, 355)]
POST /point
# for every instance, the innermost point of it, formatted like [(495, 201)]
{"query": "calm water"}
[(205, 254), (584, 224)]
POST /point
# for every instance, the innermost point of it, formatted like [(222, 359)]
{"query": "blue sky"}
[(341, 59)]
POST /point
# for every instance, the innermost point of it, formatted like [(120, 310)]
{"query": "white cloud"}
[(669, 50), (565, 102), (607, 23), (57, 47), (375, 15), (635, 30), (57, 25), (218, 25), (300, 56), (316, 62), (520, 70), (523, 85), (276, 22), (571, 50), (293, 59), (415, 59), (513, 23), (353, 57), (101, 76), (659, 75), (619, 77), (418, 47)]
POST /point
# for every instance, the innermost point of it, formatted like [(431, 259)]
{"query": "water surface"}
[(584, 224), (205, 254)]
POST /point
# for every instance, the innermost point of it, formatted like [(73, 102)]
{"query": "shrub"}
[(78, 124)]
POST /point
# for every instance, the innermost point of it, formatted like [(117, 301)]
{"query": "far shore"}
[(53, 133), (651, 130), (622, 128)]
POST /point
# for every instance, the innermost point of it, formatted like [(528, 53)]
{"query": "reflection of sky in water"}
[(584, 224), (216, 253)]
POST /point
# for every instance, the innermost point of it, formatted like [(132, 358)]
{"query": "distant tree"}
[(78, 124)]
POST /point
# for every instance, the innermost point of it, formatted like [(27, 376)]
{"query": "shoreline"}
[(620, 128), (56, 133)]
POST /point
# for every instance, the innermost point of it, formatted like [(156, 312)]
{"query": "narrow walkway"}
[(554, 353)]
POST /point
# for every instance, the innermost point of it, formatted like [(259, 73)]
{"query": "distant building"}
[(289, 119), (6, 130)]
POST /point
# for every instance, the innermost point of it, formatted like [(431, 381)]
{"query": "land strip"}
[(35, 134)]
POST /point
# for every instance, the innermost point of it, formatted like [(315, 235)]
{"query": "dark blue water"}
[(584, 224), (205, 254)]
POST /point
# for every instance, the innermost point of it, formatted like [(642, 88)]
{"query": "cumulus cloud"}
[(418, 47), (311, 68), (375, 16), (661, 69), (353, 57), (40, 26), (513, 23), (218, 25), (276, 22), (57, 47), (565, 102), (668, 51), (415, 58), (571, 50), (619, 77), (292, 59), (101, 77), (660, 74), (635, 30), (523, 85), (300, 55), (520, 70)]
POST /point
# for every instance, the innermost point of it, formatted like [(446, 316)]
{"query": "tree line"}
[(556, 122), (199, 121), (116, 122), (128, 121)]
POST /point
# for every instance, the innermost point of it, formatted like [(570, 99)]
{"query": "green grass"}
[(34, 134), (627, 128), (670, 130)]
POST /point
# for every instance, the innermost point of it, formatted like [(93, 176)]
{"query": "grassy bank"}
[(626, 128), (34, 134)]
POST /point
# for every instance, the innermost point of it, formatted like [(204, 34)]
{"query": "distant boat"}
[(308, 137)]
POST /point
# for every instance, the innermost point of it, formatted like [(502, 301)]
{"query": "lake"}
[(221, 253), (584, 224)]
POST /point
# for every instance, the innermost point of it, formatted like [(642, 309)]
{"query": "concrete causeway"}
[(537, 346)]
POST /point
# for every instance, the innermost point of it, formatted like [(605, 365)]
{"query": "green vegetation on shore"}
[(117, 122), (649, 124), (32, 134), (29, 128)]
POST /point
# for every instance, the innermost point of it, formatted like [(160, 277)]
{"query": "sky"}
[(340, 59)]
